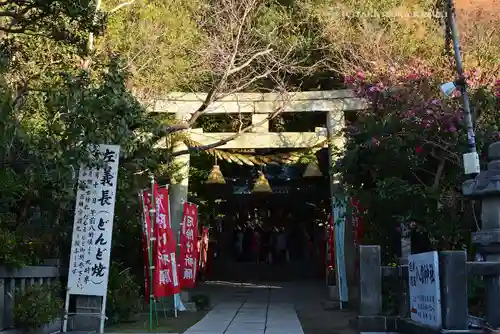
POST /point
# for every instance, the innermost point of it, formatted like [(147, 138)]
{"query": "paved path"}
[(262, 310)]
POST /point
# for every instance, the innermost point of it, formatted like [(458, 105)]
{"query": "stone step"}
[(328, 305), (190, 306)]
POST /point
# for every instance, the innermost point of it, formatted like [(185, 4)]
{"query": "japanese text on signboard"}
[(166, 281), (189, 246), (425, 301), (93, 223)]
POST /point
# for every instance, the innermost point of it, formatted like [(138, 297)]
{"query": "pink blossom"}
[(349, 80), (452, 128), (409, 113), (412, 76), (360, 75)]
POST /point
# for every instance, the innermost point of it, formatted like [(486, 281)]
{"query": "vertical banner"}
[(188, 246), (357, 227), (330, 245), (204, 251), (339, 211), (93, 224), (166, 282)]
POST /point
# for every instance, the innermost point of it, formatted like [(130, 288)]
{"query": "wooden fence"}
[(14, 279), (454, 271)]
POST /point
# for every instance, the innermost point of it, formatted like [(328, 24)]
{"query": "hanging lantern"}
[(215, 176), (261, 185), (312, 170)]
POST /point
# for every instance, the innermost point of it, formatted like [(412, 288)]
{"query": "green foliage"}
[(403, 160), (379, 35), (124, 295), (51, 112), (37, 305), (10, 255), (62, 20), (476, 293), (157, 41)]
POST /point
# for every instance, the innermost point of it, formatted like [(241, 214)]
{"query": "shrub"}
[(201, 301), (403, 156), (123, 294), (37, 305), (9, 250)]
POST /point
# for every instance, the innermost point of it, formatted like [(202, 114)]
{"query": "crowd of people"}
[(266, 244)]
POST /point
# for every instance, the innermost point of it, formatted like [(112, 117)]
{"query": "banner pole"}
[(174, 267), (66, 311), (146, 235), (103, 314), (150, 255), (178, 305)]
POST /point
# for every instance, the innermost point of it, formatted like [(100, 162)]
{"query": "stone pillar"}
[(88, 309), (404, 298), (370, 281), (178, 189), (453, 281), (486, 187), (178, 192)]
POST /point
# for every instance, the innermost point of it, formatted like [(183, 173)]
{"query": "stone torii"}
[(333, 104)]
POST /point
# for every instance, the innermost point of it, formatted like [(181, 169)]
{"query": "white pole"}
[(103, 313), (174, 267), (66, 311), (177, 297)]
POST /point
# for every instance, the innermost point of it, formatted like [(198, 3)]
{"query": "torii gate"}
[(332, 103)]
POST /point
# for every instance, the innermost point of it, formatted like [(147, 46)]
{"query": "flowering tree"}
[(403, 156)]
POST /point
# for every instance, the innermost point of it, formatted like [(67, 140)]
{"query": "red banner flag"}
[(165, 280), (203, 251), (331, 243), (357, 226), (189, 249)]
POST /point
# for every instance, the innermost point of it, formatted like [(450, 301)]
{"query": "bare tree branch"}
[(226, 140), (124, 4), (241, 57)]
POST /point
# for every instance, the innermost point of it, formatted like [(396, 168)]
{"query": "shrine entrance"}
[(276, 235)]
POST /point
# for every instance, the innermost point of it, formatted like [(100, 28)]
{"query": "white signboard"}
[(93, 224), (425, 293)]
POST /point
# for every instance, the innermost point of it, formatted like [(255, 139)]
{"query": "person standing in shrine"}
[(255, 246), (281, 245), (266, 247), (238, 243)]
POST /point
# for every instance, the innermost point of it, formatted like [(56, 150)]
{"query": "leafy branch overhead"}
[(62, 20)]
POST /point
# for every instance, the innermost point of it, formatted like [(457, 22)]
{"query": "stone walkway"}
[(263, 310)]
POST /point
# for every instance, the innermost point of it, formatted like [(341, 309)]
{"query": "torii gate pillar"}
[(179, 186)]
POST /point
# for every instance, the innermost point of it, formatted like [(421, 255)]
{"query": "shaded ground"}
[(306, 297), (167, 324)]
